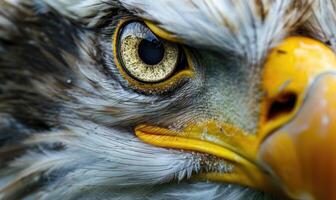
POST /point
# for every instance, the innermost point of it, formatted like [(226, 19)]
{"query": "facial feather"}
[(247, 28)]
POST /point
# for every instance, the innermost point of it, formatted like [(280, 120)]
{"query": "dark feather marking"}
[(31, 44)]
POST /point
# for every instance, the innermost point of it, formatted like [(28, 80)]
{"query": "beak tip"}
[(300, 155)]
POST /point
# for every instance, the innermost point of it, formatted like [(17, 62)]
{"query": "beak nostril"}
[(282, 105)]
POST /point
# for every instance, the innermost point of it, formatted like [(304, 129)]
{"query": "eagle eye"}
[(147, 61)]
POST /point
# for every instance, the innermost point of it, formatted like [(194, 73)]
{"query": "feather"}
[(322, 24), (88, 12), (247, 28)]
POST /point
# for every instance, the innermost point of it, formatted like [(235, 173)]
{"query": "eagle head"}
[(161, 99)]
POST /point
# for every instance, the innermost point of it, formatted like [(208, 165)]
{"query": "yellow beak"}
[(299, 145), (294, 150)]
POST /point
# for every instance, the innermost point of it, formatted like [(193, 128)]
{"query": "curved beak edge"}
[(301, 156)]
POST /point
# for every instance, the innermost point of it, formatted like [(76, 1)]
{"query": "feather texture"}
[(247, 28), (322, 24)]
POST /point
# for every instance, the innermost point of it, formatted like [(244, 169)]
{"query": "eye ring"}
[(172, 73)]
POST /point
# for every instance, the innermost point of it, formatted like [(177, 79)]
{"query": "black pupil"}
[(151, 52)]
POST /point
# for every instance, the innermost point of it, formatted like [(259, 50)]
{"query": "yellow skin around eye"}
[(142, 71), (155, 87)]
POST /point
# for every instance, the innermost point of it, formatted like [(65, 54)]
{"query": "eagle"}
[(167, 99)]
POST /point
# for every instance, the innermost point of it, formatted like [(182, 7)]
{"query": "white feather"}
[(322, 24), (247, 28)]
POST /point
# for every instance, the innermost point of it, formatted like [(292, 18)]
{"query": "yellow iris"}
[(136, 67)]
